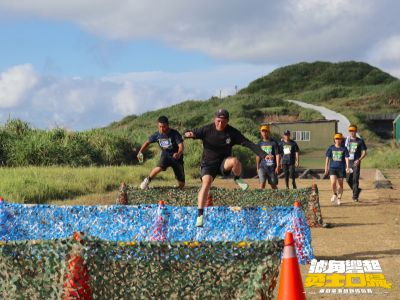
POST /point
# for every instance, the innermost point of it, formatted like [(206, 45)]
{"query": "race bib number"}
[(267, 149), (287, 149), (165, 143), (337, 155), (352, 150)]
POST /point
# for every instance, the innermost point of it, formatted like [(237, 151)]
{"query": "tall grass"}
[(43, 184), (21, 145), (383, 157)]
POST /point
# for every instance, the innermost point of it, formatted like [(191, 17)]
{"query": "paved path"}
[(343, 123)]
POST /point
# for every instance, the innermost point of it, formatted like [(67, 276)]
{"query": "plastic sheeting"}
[(155, 223)]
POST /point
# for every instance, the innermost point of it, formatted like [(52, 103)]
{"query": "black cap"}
[(287, 132), (222, 113)]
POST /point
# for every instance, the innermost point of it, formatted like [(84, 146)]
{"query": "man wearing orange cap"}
[(337, 165), (357, 151), (268, 169), (218, 139)]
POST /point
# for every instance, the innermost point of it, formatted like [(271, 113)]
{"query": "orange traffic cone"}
[(76, 284), (290, 285)]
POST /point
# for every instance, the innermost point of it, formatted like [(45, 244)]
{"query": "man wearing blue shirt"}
[(357, 151), (290, 158), (171, 143), (268, 168), (337, 165)]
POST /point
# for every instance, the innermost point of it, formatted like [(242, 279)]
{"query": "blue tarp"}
[(155, 223)]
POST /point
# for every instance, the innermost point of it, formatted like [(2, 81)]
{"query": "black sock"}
[(236, 177), (200, 212), (149, 178), (335, 194)]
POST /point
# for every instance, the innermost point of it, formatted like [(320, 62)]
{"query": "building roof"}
[(306, 122)]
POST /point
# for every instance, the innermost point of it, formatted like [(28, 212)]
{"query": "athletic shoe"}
[(199, 221), (333, 198), (338, 200), (359, 192), (243, 185), (145, 184)]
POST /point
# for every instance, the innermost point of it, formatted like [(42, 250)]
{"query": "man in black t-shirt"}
[(290, 158), (357, 151), (218, 139), (171, 144)]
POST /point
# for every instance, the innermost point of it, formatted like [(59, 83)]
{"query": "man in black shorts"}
[(171, 144), (290, 158), (218, 139)]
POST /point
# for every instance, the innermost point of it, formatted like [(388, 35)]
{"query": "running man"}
[(171, 144), (357, 151), (290, 158), (218, 139), (268, 168), (337, 165)]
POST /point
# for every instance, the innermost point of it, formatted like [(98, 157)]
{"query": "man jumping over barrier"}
[(218, 139)]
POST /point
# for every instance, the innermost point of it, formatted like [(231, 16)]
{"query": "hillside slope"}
[(355, 89)]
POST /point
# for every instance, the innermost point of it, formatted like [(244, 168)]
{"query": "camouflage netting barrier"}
[(156, 223), (307, 197), (96, 269)]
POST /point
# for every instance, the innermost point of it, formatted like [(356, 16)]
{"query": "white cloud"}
[(15, 83), (79, 103), (125, 101), (386, 54), (252, 31)]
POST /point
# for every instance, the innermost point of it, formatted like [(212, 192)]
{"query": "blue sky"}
[(86, 64)]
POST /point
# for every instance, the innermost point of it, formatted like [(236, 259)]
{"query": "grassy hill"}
[(354, 89)]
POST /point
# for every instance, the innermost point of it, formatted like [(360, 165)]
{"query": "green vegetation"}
[(22, 145), (383, 157)]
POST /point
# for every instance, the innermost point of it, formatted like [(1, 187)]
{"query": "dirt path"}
[(366, 230)]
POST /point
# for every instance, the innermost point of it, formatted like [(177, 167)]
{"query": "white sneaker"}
[(145, 184), (243, 185), (338, 201), (333, 198)]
